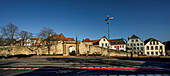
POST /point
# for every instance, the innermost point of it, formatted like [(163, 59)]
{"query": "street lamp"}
[(107, 19)]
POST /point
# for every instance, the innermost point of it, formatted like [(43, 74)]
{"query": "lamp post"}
[(107, 19)]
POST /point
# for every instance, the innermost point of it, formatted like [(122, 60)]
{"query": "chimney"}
[(128, 38)]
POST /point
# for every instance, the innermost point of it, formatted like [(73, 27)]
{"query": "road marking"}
[(88, 68)]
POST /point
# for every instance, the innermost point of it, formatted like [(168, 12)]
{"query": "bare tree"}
[(25, 34), (45, 34), (9, 32)]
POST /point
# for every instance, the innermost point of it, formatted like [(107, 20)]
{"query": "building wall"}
[(121, 47), (83, 47), (136, 44), (154, 51), (104, 43)]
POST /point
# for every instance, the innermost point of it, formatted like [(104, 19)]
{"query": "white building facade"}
[(118, 44), (154, 47), (135, 44), (104, 42)]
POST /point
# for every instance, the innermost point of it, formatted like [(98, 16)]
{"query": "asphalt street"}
[(65, 65)]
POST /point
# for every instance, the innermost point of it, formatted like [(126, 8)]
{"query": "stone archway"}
[(70, 44), (72, 51)]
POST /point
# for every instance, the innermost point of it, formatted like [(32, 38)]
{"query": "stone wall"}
[(82, 48)]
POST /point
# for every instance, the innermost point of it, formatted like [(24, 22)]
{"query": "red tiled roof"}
[(117, 41), (104, 37), (95, 41), (87, 40), (134, 36), (59, 37), (70, 39)]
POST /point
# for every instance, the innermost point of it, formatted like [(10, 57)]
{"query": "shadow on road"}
[(122, 62)]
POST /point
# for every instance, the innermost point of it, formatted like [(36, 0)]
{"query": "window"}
[(141, 48), (137, 48), (120, 46), (161, 47), (131, 44), (134, 44), (127, 44), (102, 44), (141, 43), (150, 43), (147, 47), (156, 53), (148, 53), (153, 42), (136, 40), (103, 39), (152, 53), (115, 46), (106, 44), (132, 40), (151, 47), (156, 47), (134, 48), (157, 43), (137, 44)]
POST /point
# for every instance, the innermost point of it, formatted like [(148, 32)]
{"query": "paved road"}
[(82, 62)]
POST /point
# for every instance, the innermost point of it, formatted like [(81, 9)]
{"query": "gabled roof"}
[(59, 37), (150, 39), (134, 36), (87, 40), (112, 41), (104, 37), (116, 41), (70, 39), (94, 41)]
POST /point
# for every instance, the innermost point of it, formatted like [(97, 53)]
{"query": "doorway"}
[(72, 51)]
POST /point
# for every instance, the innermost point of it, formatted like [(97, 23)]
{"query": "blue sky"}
[(86, 18)]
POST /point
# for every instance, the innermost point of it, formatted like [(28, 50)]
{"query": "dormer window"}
[(103, 39)]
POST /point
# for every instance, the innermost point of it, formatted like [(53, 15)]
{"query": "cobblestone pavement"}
[(83, 62)]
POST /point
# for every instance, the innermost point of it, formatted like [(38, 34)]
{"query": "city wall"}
[(60, 48)]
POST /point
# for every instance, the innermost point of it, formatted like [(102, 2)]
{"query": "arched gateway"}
[(71, 48)]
